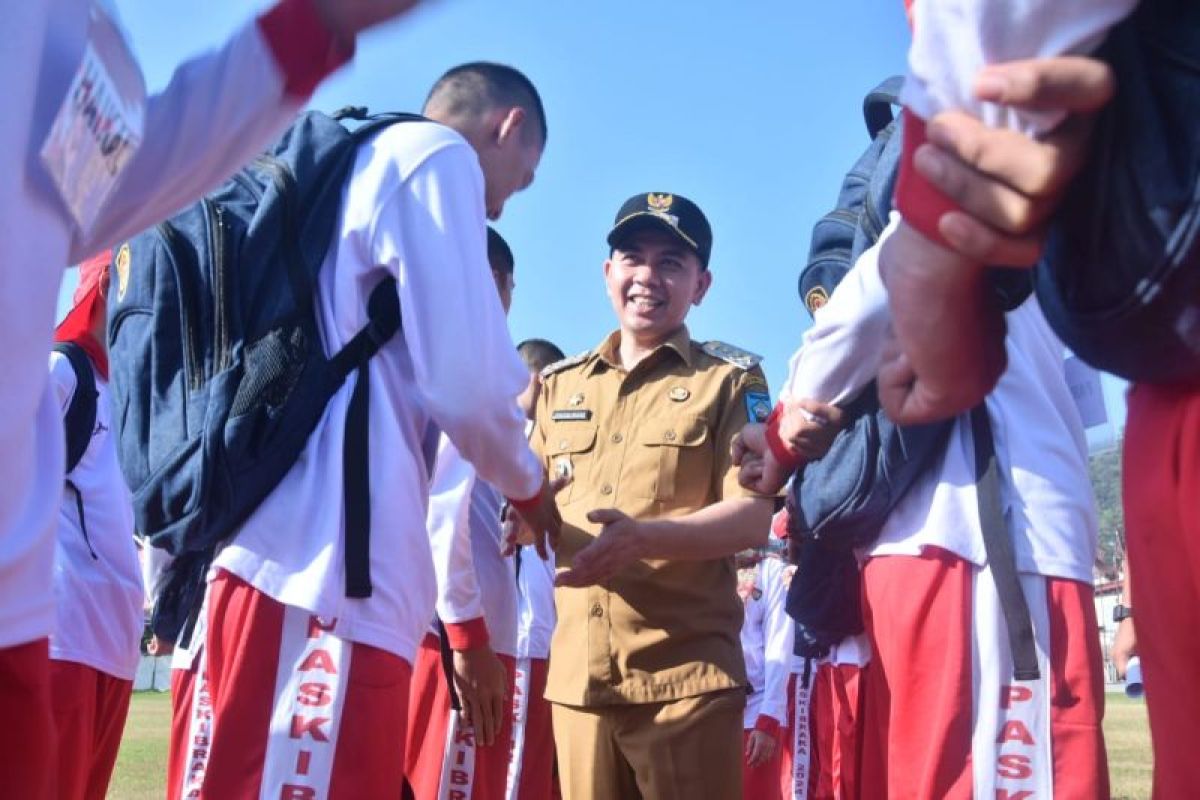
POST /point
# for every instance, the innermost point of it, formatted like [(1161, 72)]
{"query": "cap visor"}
[(643, 220)]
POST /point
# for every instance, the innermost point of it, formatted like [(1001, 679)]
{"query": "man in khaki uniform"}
[(646, 670)]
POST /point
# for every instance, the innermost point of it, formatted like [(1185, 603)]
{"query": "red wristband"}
[(767, 724), (783, 453), (529, 504), (467, 635), (303, 46), (918, 200)]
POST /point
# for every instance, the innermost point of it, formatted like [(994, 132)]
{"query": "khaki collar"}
[(608, 351)]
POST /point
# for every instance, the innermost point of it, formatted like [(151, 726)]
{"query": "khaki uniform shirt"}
[(651, 442)]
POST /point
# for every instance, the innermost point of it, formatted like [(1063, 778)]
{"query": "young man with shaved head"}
[(308, 688)]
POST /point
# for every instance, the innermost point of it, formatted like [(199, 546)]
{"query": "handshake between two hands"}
[(806, 430)]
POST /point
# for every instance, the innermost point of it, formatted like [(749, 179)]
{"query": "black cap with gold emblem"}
[(669, 212)]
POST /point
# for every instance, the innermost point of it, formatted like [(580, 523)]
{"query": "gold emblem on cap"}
[(576, 399), (122, 264), (679, 394), (659, 202)]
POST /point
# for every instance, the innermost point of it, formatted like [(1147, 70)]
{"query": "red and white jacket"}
[(218, 111), (767, 636), (477, 588), (952, 41)]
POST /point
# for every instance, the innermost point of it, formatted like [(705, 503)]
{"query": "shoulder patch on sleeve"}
[(566, 363), (758, 405), (733, 355)]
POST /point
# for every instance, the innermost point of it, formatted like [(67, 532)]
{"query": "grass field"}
[(141, 765)]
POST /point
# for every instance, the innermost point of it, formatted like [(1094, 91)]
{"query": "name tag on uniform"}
[(571, 415), (100, 123)]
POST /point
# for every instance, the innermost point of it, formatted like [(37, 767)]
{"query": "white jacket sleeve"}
[(842, 351), (219, 110), (778, 635), (430, 232), (954, 39), (448, 522)]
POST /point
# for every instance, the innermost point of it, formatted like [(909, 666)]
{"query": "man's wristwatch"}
[(1121, 612)]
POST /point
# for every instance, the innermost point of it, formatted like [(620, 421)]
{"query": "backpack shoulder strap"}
[(997, 544), (80, 419), (877, 105)]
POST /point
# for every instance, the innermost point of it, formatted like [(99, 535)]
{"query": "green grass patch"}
[(141, 771), (142, 764)]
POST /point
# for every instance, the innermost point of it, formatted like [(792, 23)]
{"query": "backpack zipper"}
[(187, 311), (216, 247), (82, 521)]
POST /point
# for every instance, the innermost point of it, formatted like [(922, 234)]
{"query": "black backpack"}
[(80, 419), (1120, 275), (79, 423), (841, 502), (219, 375)]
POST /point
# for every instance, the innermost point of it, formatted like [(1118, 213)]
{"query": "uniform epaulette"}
[(733, 355), (569, 361)]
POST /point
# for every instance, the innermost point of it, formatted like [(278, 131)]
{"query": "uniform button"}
[(597, 611), (606, 489), (669, 436), (563, 444), (616, 437)]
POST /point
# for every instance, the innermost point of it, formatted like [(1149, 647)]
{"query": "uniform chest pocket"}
[(678, 459), (570, 449)]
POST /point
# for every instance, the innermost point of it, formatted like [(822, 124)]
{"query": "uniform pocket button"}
[(669, 436)]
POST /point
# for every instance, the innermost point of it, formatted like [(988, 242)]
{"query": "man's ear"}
[(510, 125), (702, 287)]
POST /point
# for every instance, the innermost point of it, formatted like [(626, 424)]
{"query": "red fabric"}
[(537, 758), (467, 635), (921, 204), (242, 651), (783, 451), (27, 744), (918, 691), (428, 721), (837, 730), (87, 305), (302, 44), (182, 683), (89, 718), (762, 782), (766, 724), (1162, 519), (1077, 691), (529, 504)]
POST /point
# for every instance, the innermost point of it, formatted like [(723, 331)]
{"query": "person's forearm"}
[(717, 531)]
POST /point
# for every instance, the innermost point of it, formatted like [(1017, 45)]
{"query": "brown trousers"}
[(689, 748)]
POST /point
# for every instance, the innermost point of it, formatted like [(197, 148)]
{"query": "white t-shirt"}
[(767, 637), (1039, 439), (97, 579), (413, 208), (220, 109)]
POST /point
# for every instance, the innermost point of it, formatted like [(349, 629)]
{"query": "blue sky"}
[(752, 110)]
